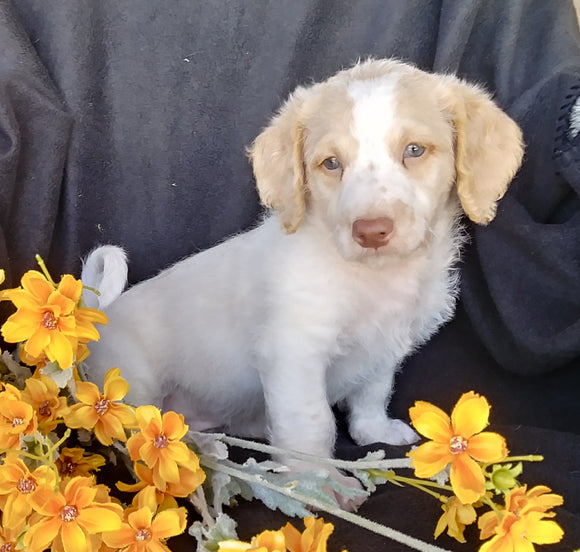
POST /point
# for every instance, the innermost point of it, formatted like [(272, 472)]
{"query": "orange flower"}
[(73, 462), (313, 539), (71, 519), (159, 445), (45, 317), (17, 418), (9, 537), (266, 541), (146, 532), (288, 539), (455, 517), (100, 412), (42, 393), (189, 480), (49, 320), (17, 485), (522, 523), (458, 441)]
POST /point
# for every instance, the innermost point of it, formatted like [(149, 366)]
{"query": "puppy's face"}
[(379, 164), (377, 152)]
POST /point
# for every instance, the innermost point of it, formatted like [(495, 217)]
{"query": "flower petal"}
[(169, 523), (38, 342), (99, 518), (174, 425), (436, 416), (487, 447), (60, 350), (541, 531), (87, 392), (73, 538), (39, 536), (71, 288), (430, 458), (36, 284), (433, 426), (470, 415), (168, 470), (467, 479), (115, 387), (120, 538)]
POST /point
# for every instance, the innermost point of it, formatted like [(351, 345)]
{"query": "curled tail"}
[(104, 269)]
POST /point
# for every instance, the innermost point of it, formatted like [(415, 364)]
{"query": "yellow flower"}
[(458, 441), (100, 412), (522, 523), (73, 462), (17, 418), (455, 517), (49, 320), (189, 480), (9, 537), (42, 393), (17, 485), (70, 519), (146, 532), (45, 317), (159, 445), (266, 541), (313, 539)]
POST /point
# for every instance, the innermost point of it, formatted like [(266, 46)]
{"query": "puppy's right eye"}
[(332, 164)]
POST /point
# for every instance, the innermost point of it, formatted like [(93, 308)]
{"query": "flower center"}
[(6, 547), (102, 406), (49, 321), (142, 535), (160, 441), (44, 409), (69, 513), (68, 467), (17, 421), (457, 444), (26, 485)]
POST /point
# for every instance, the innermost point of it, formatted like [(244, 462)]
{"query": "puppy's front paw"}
[(400, 433), (390, 431)]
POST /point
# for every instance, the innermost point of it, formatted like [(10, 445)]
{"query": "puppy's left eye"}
[(332, 164), (414, 150)]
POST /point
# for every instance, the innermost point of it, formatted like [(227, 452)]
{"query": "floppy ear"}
[(488, 149), (276, 156)]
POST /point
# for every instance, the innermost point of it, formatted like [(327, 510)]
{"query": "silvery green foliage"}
[(61, 377), (19, 372), (208, 444), (208, 538)]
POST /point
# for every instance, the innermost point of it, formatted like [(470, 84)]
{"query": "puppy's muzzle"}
[(372, 233)]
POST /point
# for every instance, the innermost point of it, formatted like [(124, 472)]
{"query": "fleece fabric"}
[(126, 122)]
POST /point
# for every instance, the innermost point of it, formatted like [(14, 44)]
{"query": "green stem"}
[(42, 266), (416, 483), (375, 527)]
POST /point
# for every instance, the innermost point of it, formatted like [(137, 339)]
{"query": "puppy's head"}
[(374, 153)]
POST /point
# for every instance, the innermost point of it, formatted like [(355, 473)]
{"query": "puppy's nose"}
[(372, 233)]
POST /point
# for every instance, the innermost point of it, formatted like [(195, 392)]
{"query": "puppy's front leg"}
[(301, 419), (299, 416), (368, 420)]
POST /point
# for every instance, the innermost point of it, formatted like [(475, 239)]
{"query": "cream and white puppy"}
[(366, 174)]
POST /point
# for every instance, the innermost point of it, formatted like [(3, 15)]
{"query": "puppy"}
[(366, 175)]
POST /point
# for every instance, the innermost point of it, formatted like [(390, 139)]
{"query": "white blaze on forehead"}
[(373, 115)]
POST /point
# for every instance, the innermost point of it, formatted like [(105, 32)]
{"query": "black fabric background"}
[(126, 122)]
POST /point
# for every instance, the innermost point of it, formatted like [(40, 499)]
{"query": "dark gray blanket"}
[(126, 122)]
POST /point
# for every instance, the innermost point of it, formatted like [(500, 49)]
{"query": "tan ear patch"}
[(488, 150), (277, 158)]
